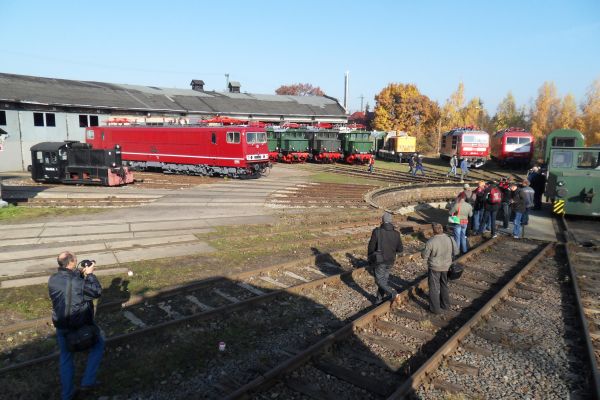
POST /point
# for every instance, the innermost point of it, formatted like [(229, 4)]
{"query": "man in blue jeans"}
[(463, 211), (72, 291), (518, 203), (478, 203)]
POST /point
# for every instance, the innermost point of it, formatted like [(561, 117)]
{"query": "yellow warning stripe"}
[(558, 207)]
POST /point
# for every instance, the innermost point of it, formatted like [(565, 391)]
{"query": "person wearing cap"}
[(453, 165), (386, 241), (419, 165), (467, 193), (72, 291), (438, 253)]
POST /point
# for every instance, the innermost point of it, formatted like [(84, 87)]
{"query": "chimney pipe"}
[(346, 78)]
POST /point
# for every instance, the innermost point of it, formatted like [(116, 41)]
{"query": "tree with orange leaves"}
[(300, 89)]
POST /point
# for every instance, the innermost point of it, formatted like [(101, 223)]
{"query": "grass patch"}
[(15, 213), (327, 177)]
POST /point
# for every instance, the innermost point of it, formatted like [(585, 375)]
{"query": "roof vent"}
[(234, 87), (198, 85)]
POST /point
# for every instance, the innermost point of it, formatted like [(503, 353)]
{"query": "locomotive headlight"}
[(114, 165), (560, 183)]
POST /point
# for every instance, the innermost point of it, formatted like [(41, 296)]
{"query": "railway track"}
[(390, 353), (141, 315), (519, 348), (583, 254)]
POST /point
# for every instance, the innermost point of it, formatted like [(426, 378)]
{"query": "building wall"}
[(22, 134)]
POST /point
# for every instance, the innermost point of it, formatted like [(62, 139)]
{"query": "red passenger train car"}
[(469, 143), (512, 146), (235, 151)]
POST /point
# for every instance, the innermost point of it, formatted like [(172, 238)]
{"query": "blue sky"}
[(492, 46)]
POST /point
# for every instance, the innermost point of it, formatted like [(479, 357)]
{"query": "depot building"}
[(35, 109)]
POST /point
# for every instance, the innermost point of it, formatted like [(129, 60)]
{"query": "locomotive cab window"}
[(213, 138), (587, 160), (563, 142), (561, 159), (256, 137), (512, 140), (233, 137)]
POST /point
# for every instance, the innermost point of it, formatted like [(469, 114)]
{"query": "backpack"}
[(495, 196)]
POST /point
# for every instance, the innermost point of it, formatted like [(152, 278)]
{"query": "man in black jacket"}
[(384, 239), (72, 309)]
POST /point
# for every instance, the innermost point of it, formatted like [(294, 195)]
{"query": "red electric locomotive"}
[(235, 151), (467, 142), (512, 146)]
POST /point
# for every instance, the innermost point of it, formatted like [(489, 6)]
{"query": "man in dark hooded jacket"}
[(72, 291), (386, 240)]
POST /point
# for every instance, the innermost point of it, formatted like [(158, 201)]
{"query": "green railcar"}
[(273, 138), (325, 145), (563, 138), (294, 145), (573, 181), (357, 147)]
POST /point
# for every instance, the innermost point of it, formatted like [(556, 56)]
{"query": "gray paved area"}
[(164, 228)]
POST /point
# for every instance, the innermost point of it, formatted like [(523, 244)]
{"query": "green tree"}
[(591, 114), (401, 107)]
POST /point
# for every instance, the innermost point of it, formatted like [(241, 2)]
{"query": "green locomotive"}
[(325, 146), (563, 138), (357, 147), (573, 174), (288, 145)]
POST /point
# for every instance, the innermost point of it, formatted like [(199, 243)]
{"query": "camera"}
[(86, 263)]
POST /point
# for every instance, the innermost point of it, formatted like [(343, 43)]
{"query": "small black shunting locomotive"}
[(73, 162)]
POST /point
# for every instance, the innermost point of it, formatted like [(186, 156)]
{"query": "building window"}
[(87, 120), (38, 119), (2, 117), (50, 119), (213, 138)]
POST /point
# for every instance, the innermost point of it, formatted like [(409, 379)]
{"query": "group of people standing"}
[(480, 207)]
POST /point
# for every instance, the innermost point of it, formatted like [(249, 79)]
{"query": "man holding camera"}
[(72, 291)]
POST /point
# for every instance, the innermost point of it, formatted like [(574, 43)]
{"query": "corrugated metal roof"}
[(63, 92)]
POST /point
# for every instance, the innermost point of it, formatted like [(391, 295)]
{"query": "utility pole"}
[(361, 97), (226, 82)]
